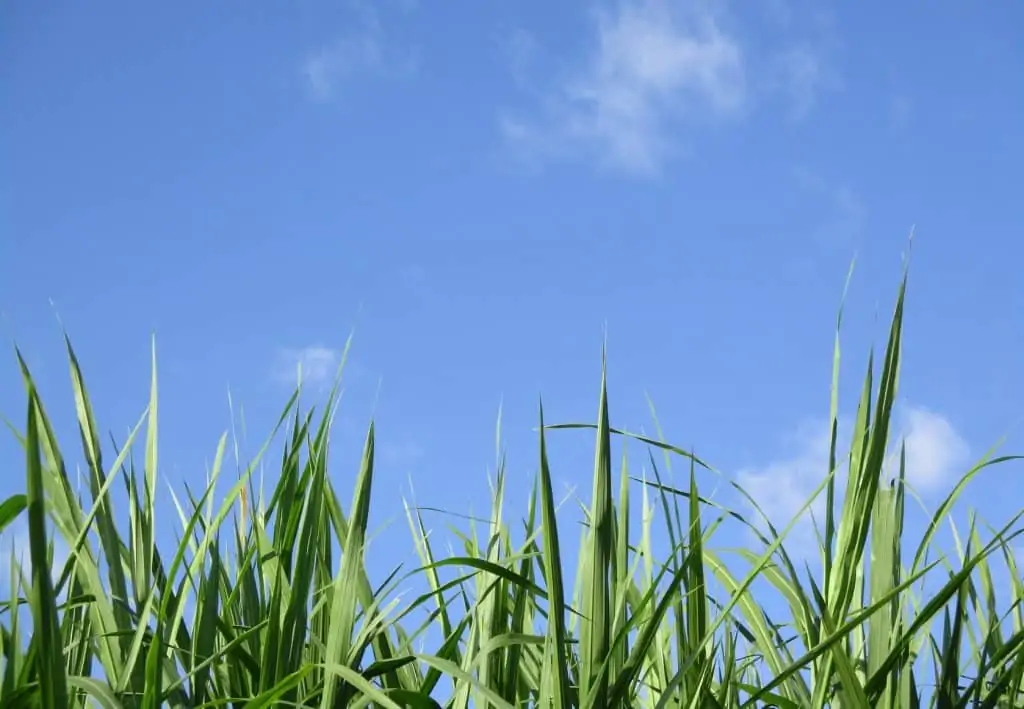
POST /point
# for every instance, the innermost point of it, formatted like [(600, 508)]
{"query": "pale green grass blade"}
[(99, 691), (168, 618), (344, 607), (459, 674), (10, 641), (105, 524), (840, 634), (67, 515), (271, 620), (833, 417), (597, 559), (935, 604), (884, 572), (360, 683)]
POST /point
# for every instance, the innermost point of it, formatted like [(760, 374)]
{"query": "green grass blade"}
[(597, 561), (46, 636), (343, 611), (559, 660)]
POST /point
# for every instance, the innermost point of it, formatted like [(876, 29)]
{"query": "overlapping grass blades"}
[(265, 614)]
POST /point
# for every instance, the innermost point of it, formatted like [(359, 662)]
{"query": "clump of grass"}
[(253, 607)]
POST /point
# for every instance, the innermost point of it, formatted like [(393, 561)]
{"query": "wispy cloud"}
[(800, 75), (652, 65), (844, 213), (935, 451), (518, 49), (350, 57), (405, 451), (317, 365), (362, 52), (802, 61)]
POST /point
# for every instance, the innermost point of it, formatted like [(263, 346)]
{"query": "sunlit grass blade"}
[(287, 609), (344, 606), (597, 560), (11, 508), (53, 691), (557, 660)]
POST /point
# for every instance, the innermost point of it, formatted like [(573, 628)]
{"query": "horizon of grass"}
[(277, 608)]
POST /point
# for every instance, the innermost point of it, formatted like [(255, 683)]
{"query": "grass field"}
[(266, 601)]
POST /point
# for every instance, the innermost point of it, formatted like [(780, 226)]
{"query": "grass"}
[(253, 607)]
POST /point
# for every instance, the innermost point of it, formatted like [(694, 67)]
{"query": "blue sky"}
[(482, 189)]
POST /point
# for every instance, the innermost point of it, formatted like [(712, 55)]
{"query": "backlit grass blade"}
[(833, 418), (658, 615), (11, 508), (597, 561), (105, 520), (558, 660), (53, 691), (67, 516), (344, 607)]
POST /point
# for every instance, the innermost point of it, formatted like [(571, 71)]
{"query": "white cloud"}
[(317, 364), (652, 65), (934, 449), (364, 52), (782, 487)]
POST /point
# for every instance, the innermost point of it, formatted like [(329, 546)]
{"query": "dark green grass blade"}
[(559, 665), (53, 689)]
